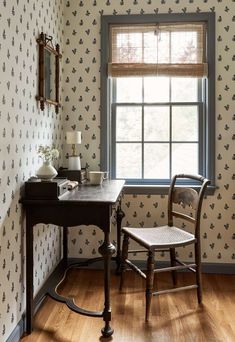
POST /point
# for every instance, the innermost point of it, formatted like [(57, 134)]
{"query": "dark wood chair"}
[(183, 203)]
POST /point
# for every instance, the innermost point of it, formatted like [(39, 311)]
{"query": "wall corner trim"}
[(18, 331)]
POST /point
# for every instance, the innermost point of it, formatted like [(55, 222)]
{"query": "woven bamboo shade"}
[(172, 49)]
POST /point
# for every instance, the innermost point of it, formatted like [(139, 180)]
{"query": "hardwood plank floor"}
[(175, 317)]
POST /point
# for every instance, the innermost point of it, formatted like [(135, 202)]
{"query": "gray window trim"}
[(208, 133)]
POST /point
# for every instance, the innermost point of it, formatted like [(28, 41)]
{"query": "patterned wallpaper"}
[(82, 110), (22, 128)]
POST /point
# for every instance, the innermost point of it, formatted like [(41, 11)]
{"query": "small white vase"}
[(46, 171)]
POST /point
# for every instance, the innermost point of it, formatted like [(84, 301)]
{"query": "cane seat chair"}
[(184, 203)]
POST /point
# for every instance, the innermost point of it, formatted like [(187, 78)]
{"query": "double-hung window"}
[(157, 97)]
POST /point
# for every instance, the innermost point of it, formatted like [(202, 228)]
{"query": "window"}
[(157, 133), (157, 97)]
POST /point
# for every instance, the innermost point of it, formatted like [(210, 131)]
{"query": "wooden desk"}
[(85, 205)]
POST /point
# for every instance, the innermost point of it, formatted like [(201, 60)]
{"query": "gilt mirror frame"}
[(45, 46)]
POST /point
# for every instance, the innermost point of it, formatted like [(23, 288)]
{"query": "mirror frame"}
[(45, 43)]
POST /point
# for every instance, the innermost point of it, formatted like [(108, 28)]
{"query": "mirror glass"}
[(49, 59)]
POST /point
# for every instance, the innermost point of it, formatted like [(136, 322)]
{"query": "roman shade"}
[(164, 49)]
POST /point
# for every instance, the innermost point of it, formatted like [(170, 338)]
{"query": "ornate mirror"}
[(48, 80)]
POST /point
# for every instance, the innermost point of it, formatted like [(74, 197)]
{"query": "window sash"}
[(128, 57), (114, 141)]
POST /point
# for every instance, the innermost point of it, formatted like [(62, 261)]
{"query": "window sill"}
[(159, 189)]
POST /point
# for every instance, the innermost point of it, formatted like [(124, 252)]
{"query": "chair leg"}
[(125, 245), (173, 273), (149, 283), (198, 271)]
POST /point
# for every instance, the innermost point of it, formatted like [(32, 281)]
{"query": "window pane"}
[(184, 47), (185, 123), (156, 89), (128, 160), (129, 89), (129, 123), (156, 161), (129, 47), (184, 158), (150, 47), (163, 47), (156, 123), (184, 89), (156, 47)]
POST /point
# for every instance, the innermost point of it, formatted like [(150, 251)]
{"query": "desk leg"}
[(65, 244), (107, 250), (29, 276), (120, 215)]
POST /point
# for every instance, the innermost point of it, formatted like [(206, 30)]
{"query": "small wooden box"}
[(73, 175), (53, 189)]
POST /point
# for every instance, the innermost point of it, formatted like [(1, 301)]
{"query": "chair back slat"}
[(185, 197), (183, 216)]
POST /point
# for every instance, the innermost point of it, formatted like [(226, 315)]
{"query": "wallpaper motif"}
[(82, 111), (23, 127)]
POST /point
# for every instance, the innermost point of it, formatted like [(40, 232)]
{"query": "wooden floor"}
[(175, 317)]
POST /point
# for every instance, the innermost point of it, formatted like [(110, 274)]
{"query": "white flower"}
[(54, 153), (48, 153)]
